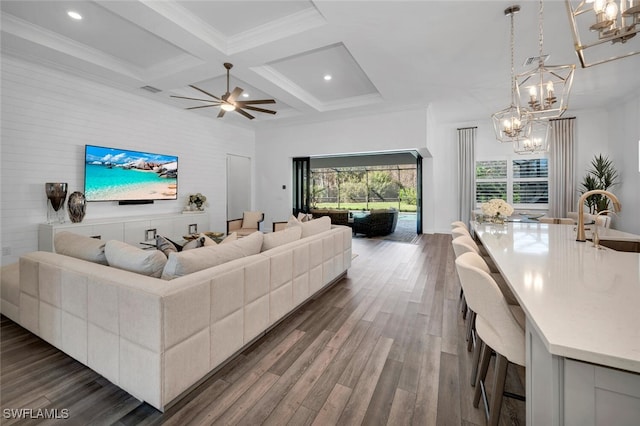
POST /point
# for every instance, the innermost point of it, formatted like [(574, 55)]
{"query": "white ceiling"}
[(382, 55)]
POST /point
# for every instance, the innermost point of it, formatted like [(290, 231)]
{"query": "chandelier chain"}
[(513, 77), (540, 29)]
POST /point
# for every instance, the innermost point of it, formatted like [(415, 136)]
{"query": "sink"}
[(621, 245)]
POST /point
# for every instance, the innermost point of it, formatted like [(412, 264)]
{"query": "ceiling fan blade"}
[(234, 95), (252, 108), (194, 99), (204, 91), (246, 114), (203, 106), (257, 101), (221, 113)]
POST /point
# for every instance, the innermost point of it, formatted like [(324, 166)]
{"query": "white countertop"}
[(584, 302)]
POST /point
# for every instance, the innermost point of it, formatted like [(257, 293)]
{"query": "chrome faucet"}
[(616, 208)]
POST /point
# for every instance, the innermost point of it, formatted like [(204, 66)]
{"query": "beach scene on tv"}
[(116, 174)]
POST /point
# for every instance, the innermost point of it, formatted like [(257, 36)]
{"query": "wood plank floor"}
[(383, 346)]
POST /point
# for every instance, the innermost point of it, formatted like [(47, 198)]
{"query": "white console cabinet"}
[(132, 230)]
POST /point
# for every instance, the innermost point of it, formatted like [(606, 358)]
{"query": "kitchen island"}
[(582, 307)]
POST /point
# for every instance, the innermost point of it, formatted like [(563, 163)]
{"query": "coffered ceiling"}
[(381, 55)]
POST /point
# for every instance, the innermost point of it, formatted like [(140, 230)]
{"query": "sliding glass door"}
[(301, 184)]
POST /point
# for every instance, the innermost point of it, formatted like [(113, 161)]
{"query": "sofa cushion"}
[(315, 226), (230, 238), (80, 247), (275, 239), (189, 261), (125, 256), (10, 283)]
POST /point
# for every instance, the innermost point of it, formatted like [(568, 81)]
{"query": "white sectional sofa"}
[(155, 338)]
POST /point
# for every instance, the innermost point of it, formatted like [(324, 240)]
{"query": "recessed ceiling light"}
[(327, 77), (74, 15), (245, 95)]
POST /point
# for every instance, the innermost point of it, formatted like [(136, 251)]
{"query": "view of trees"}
[(365, 187)]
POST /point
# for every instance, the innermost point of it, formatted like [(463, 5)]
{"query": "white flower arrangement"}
[(197, 202), (497, 208)]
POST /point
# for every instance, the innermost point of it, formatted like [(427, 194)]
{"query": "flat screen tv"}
[(112, 174)]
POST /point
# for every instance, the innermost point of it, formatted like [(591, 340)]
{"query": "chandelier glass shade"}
[(602, 29), (538, 140), (509, 124), (543, 92)]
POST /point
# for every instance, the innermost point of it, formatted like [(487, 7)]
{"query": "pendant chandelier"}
[(602, 28), (543, 92), (538, 140), (509, 124)]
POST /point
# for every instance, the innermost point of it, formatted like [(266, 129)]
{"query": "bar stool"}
[(497, 330), (456, 232), (458, 223)]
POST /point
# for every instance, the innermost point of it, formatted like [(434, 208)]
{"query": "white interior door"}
[(238, 185)]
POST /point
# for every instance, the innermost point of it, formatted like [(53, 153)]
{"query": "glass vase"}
[(56, 196)]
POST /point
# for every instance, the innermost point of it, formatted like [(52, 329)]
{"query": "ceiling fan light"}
[(228, 107)]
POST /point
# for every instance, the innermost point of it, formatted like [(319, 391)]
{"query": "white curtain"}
[(466, 172), (562, 188)]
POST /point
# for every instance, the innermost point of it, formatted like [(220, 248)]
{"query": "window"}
[(491, 180), (524, 183)]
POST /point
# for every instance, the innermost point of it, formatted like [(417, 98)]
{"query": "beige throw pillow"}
[(275, 239), (293, 221), (80, 247), (189, 261), (315, 226), (250, 219), (230, 238), (124, 256)]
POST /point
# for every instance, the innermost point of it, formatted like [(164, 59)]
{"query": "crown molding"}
[(181, 17), (48, 39), (278, 29)]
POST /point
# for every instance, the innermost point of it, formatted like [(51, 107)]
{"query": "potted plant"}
[(601, 175)]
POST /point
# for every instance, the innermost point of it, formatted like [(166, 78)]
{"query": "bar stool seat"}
[(518, 314)]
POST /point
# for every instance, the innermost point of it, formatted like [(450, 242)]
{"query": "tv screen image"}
[(113, 174)]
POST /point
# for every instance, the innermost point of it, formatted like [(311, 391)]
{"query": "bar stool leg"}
[(498, 389), (471, 325), (485, 357), (464, 307), (475, 362)]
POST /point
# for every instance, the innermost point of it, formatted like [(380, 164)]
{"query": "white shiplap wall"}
[(48, 117)]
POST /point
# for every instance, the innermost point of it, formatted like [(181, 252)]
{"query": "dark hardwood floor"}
[(383, 346)]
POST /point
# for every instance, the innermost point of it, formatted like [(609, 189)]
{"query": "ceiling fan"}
[(228, 102)]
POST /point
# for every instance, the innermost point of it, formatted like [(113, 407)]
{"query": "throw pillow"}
[(275, 239), (230, 238), (250, 219), (293, 221), (124, 256), (208, 241), (189, 261), (251, 244), (303, 217), (195, 243), (316, 226), (80, 247), (165, 245)]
